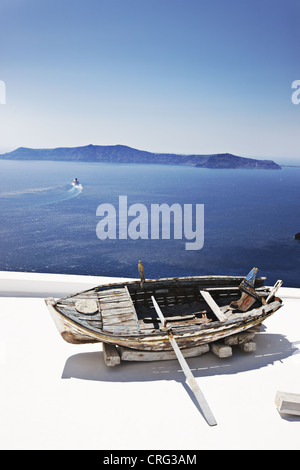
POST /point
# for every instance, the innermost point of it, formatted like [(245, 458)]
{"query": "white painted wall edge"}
[(23, 284)]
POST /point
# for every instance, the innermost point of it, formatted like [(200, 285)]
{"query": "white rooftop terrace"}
[(56, 395)]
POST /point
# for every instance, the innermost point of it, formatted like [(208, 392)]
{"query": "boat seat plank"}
[(115, 319), (118, 312), (213, 305), (113, 298)]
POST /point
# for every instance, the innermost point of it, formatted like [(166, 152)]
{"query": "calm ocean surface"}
[(250, 219)]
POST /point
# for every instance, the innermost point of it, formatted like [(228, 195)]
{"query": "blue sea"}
[(49, 226)]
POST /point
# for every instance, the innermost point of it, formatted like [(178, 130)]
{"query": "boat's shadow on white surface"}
[(270, 348)]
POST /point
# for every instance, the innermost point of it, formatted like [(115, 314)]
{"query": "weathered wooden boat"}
[(198, 310)]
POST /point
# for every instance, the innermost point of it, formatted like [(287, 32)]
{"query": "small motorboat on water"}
[(75, 182)]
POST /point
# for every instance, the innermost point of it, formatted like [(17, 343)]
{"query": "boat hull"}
[(187, 338)]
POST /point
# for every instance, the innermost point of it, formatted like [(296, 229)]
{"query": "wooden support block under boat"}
[(240, 338), (288, 403), (249, 346), (111, 355), (137, 355), (220, 349)]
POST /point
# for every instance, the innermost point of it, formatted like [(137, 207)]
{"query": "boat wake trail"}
[(34, 197)]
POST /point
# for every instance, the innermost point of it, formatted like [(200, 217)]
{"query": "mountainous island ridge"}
[(125, 154)]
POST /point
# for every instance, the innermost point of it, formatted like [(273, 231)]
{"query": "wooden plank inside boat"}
[(215, 308), (118, 312), (137, 355)]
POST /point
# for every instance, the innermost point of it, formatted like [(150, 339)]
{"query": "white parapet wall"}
[(19, 284), (44, 379), (24, 284)]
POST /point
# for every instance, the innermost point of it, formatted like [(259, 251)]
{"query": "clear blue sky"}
[(184, 76)]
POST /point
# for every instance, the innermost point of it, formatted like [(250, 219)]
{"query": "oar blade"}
[(206, 411)]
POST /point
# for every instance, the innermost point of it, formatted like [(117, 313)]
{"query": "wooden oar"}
[(274, 289), (187, 371)]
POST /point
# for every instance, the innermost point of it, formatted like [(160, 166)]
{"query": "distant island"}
[(124, 154)]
